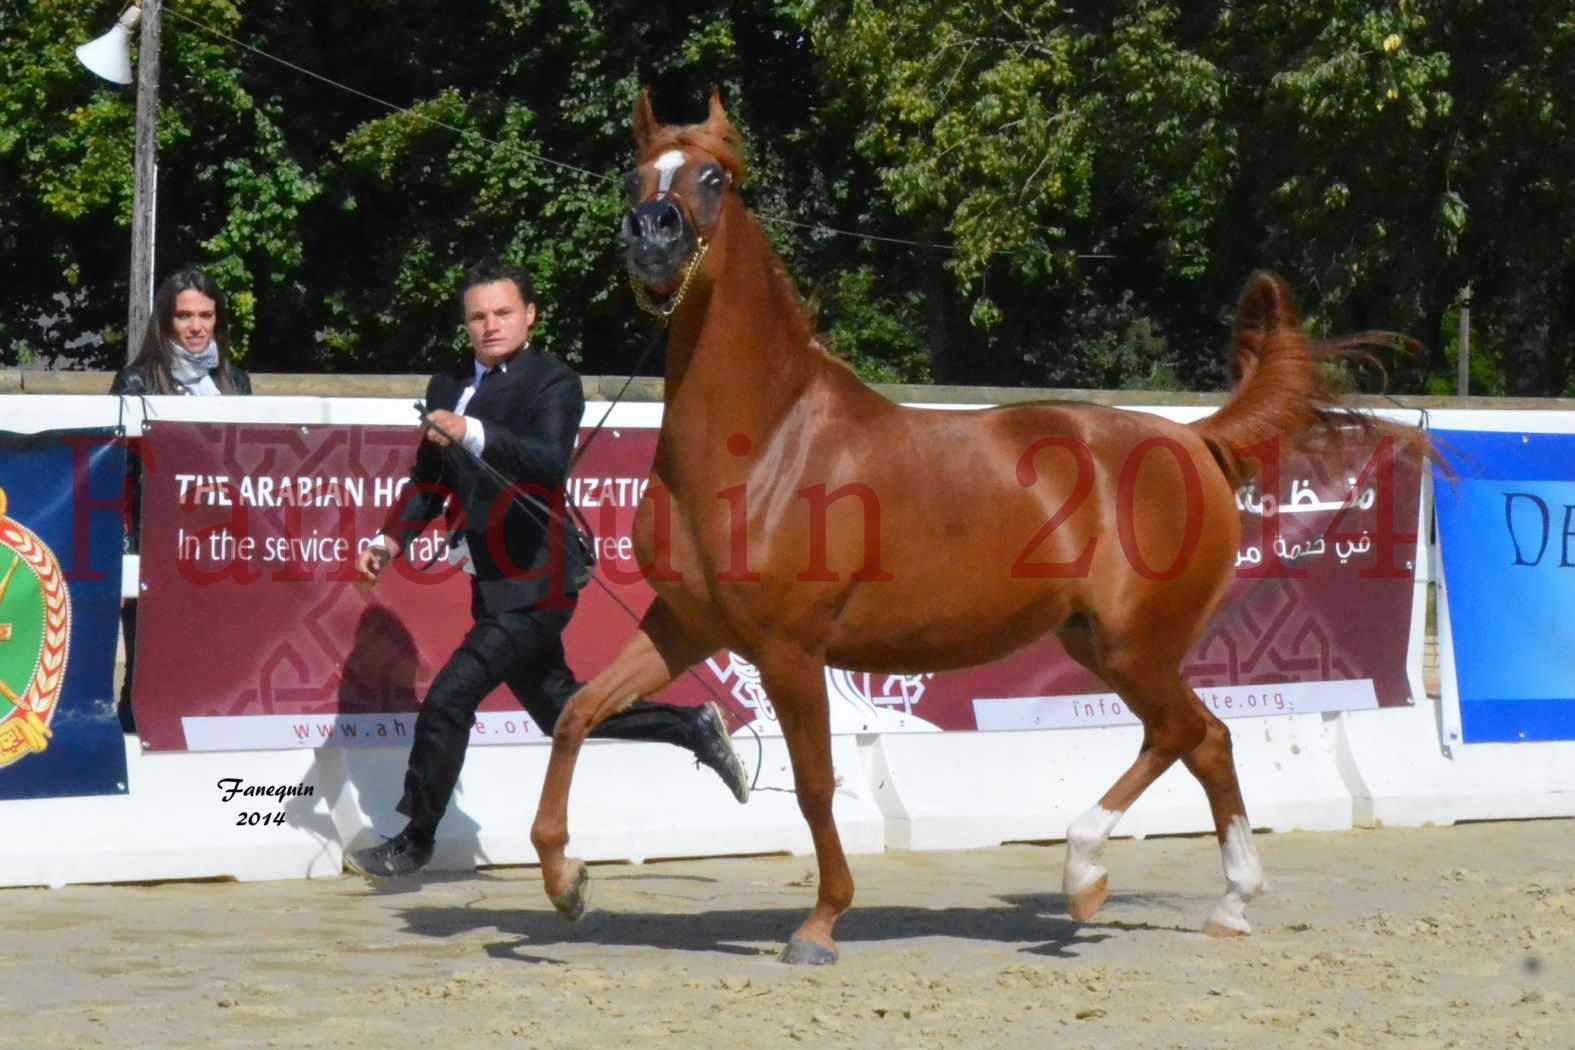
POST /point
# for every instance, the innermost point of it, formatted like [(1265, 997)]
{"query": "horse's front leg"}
[(797, 687), (659, 651)]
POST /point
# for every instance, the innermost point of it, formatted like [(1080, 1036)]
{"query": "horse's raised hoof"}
[(572, 902), (1086, 902), (801, 952)]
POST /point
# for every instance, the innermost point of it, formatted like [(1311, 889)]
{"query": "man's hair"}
[(491, 271)]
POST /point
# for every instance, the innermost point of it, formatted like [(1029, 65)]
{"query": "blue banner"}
[(1506, 530), (61, 497)]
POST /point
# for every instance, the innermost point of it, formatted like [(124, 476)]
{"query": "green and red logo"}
[(35, 635)]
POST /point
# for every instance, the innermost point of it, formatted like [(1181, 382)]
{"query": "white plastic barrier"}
[(961, 790), (630, 802), (1402, 774), (640, 801), (172, 824)]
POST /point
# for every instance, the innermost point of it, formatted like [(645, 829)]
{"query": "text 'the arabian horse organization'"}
[(798, 518)]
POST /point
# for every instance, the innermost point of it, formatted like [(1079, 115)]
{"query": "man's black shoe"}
[(398, 856), (714, 748)]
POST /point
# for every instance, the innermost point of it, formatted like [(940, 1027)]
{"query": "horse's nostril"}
[(654, 224), (655, 221)]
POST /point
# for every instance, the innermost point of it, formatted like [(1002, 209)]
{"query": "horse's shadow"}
[(1036, 923)]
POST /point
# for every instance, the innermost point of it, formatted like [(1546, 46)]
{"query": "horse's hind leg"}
[(1213, 764), (1170, 730), (1175, 725), (659, 651), (1084, 880)]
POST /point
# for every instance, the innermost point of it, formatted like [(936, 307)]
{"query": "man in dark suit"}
[(518, 410)]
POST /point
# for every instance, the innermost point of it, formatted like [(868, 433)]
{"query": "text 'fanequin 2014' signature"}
[(231, 788)]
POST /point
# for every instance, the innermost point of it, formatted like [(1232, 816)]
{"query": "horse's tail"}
[(1285, 391)]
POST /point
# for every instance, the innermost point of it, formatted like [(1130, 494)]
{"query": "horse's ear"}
[(717, 116), (1266, 306), (644, 121), (727, 144)]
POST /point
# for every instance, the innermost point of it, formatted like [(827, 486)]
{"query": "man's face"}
[(497, 320)]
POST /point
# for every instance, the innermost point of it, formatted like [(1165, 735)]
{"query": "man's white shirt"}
[(475, 440)]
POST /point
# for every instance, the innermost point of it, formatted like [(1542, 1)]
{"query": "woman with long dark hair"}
[(186, 348)]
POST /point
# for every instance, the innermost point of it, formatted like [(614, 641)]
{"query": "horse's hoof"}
[(801, 952), (572, 903), (1223, 926), (1086, 902)]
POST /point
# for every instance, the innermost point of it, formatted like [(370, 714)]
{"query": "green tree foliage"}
[(231, 192), (65, 184), (1064, 194), (1382, 156)]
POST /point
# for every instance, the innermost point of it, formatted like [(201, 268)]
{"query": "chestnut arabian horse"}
[(800, 519)]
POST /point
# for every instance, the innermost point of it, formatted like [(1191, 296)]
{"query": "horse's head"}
[(676, 192)]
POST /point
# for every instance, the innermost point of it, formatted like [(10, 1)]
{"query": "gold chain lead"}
[(642, 297)]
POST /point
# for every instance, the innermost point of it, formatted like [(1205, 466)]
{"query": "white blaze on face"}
[(667, 166), (1085, 843), (1243, 876)]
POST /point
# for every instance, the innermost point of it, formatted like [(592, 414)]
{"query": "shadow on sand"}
[(1033, 924)]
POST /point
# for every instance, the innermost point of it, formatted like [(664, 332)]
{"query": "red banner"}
[(252, 632)]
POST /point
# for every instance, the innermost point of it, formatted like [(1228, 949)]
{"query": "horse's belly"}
[(879, 632)]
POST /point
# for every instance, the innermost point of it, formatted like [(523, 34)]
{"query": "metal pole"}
[(145, 186), (1463, 364)]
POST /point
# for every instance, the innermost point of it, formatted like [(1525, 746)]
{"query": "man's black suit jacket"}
[(531, 415)]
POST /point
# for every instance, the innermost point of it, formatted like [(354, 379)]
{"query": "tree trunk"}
[(1431, 360), (945, 367)]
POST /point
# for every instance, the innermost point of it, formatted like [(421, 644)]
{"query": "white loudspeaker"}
[(110, 55)]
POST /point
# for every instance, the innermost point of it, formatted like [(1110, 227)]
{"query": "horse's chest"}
[(679, 555), (665, 545)]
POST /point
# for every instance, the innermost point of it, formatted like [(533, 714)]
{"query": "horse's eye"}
[(631, 185), (711, 178)]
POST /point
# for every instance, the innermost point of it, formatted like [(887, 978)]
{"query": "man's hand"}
[(444, 428), (372, 562)]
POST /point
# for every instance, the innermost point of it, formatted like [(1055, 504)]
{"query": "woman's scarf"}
[(191, 370)]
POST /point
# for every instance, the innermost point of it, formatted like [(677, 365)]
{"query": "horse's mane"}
[(803, 317)]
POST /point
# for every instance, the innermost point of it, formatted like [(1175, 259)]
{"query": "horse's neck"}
[(739, 356)]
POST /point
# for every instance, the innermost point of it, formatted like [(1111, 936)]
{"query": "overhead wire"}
[(543, 158)]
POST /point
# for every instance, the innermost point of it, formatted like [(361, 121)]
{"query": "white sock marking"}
[(1085, 843), (1243, 876)]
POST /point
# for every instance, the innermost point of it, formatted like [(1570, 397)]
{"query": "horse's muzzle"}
[(658, 241)]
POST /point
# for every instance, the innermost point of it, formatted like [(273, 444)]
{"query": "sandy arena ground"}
[(1438, 937)]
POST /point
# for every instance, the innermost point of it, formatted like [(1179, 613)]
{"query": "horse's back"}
[(997, 525)]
